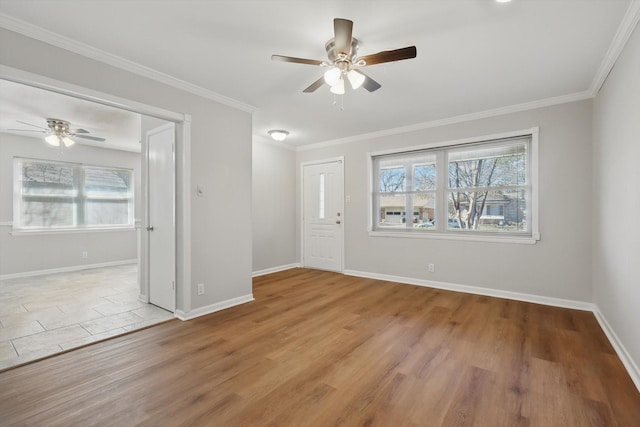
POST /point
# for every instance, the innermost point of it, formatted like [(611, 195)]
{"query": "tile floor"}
[(43, 315)]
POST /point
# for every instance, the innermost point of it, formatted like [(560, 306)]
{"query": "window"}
[(405, 183), (52, 195), (473, 189)]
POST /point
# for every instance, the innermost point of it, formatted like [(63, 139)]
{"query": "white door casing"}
[(161, 216), (323, 214)]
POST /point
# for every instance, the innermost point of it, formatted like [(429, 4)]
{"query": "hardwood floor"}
[(322, 349)]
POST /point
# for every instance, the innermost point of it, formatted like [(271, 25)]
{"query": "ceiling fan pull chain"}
[(335, 102)]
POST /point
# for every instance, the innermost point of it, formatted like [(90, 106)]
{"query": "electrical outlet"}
[(432, 268), (85, 254), (200, 288)]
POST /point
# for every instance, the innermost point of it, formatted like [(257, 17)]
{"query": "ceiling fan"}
[(59, 133), (342, 51)]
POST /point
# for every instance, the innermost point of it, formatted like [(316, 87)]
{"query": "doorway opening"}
[(75, 257)]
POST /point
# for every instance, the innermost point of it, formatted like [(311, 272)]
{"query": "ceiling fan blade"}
[(92, 138), (29, 124), (295, 60), (389, 56), (78, 131), (370, 84), (315, 85), (342, 29), (30, 130)]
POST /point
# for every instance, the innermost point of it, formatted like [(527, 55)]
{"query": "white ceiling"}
[(20, 103), (473, 55)]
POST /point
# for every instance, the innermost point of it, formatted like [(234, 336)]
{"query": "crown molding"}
[(16, 25), (564, 99), (628, 24)]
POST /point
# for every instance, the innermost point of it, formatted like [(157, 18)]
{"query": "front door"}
[(323, 215), (161, 224)]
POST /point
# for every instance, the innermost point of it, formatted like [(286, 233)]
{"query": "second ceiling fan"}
[(344, 63)]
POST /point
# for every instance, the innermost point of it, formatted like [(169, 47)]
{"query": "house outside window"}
[(479, 188), (56, 196)]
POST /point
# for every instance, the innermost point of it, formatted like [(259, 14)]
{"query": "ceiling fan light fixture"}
[(333, 76), (338, 88), (278, 134), (68, 142), (355, 78), (53, 139)]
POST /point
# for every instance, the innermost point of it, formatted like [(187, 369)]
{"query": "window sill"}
[(520, 240), (44, 232)]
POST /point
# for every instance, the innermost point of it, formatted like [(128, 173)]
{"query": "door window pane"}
[(321, 193)]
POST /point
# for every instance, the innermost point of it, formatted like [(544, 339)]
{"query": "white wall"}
[(616, 201), (557, 266), (220, 162), (274, 206), (27, 253)]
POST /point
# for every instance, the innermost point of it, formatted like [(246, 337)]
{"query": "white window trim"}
[(77, 230), (491, 238)]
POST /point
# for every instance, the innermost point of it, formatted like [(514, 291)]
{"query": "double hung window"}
[(51, 195), (474, 188)]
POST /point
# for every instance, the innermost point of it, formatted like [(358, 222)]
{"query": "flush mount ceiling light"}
[(503, 1), (278, 134), (344, 62)]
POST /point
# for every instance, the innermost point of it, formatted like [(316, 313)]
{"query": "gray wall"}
[(274, 206), (220, 162), (616, 248), (557, 266), (26, 253)]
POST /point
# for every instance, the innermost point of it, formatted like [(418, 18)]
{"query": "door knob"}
[(150, 228)]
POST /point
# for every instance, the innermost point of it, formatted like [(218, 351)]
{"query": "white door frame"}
[(344, 219), (183, 147)]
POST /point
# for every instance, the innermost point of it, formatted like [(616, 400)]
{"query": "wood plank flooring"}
[(323, 349)]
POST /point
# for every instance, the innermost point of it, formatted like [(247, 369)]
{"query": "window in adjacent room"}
[(51, 195)]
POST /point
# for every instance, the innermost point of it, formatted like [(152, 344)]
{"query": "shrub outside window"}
[(478, 188), (51, 195)]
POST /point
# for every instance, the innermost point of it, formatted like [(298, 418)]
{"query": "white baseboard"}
[(143, 298), (201, 311), (518, 296), (275, 269), (620, 349), (66, 269)]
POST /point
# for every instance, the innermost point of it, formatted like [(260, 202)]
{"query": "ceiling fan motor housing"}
[(58, 126), (336, 57)]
